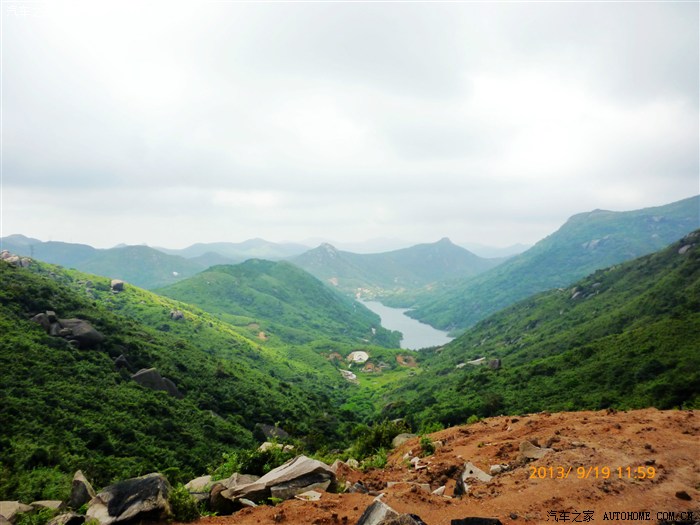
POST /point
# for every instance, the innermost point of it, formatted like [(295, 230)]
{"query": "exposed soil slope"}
[(668, 441)]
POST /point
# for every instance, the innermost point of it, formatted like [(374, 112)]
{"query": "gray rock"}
[(10, 509), (401, 439), (353, 463), (498, 469), (272, 432), (199, 484), (377, 512), (140, 498), (440, 491), (236, 480), (151, 378), (176, 315), (294, 477), (53, 318), (81, 331), (530, 451), (69, 518), (684, 249), (43, 320), (122, 362), (81, 491), (4, 520), (117, 285)]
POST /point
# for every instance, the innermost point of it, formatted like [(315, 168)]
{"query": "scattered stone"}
[(117, 285), (141, 498), (376, 513), (70, 518), (176, 315), (10, 509), (682, 494), (423, 486), (310, 495), (43, 320), (530, 451), (358, 487), (471, 471), (497, 469), (353, 463), (401, 439), (81, 491), (440, 491), (513, 516), (684, 249)]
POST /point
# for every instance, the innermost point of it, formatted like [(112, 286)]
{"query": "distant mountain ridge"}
[(240, 251), (585, 243), (407, 268), (140, 265)]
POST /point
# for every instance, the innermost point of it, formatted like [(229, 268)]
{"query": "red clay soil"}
[(599, 447)]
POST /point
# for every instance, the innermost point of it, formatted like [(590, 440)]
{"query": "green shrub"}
[(182, 505), (377, 460), (371, 439), (426, 446), (38, 517)]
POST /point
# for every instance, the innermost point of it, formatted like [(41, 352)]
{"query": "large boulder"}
[(69, 518), (117, 285), (151, 378), (82, 332), (143, 498), (286, 481), (81, 491), (401, 439)]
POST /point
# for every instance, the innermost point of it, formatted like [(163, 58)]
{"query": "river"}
[(416, 335)]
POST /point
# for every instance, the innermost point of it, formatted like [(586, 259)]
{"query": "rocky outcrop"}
[(176, 315), (81, 491), (297, 475), (15, 260), (78, 331), (142, 498), (272, 432), (117, 285), (151, 378)]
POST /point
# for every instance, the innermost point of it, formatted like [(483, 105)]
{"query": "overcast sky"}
[(180, 122)]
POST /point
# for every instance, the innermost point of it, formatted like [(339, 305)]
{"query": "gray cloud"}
[(483, 122)]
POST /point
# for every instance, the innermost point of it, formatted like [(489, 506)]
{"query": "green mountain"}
[(623, 337), (382, 274), (586, 242), (66, 407), (283, 301), (140, 265)]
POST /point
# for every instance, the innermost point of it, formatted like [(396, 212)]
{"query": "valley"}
[(242, 351)]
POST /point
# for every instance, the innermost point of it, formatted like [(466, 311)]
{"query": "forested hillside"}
[(623, 337)]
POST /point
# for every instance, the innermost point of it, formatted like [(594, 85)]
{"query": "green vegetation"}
[(285, 303), (183, 506), (586, 242), (624, 337), (66, 408)]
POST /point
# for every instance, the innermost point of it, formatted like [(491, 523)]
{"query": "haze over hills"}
[(624, 337), (385, 273), (586, 242), (241, 251)]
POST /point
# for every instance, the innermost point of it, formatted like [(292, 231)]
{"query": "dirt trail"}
[(598, 446)]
